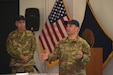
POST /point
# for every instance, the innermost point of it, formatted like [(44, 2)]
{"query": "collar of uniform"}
[(21, 33), (71, 40)]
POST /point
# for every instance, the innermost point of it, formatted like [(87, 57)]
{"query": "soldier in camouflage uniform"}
[(21, 45), (73, 52)]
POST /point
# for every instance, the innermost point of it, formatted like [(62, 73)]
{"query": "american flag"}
[(54, 29)]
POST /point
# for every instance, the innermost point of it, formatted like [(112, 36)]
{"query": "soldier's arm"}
[(86, 53), (33, 46), (12, 50), (56, 54)]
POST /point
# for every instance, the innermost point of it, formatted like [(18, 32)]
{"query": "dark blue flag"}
[(92, 31)]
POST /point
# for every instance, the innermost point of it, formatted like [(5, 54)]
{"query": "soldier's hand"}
[(44, 56), (25, 59), (80, 53)]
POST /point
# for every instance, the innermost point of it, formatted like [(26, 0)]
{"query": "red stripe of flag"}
[(50, 35), (55, 33), (45, 37), (60, 30)]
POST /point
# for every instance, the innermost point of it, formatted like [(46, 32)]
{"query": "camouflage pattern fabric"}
[(19, 45), (66, 51), (22, 69)]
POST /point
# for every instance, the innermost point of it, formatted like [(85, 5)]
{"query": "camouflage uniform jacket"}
[(19, 45), (66, 51)]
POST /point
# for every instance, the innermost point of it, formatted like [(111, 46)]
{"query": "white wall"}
[(102, 9)]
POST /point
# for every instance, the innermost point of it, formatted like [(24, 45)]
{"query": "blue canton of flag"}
[(57, 12)]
